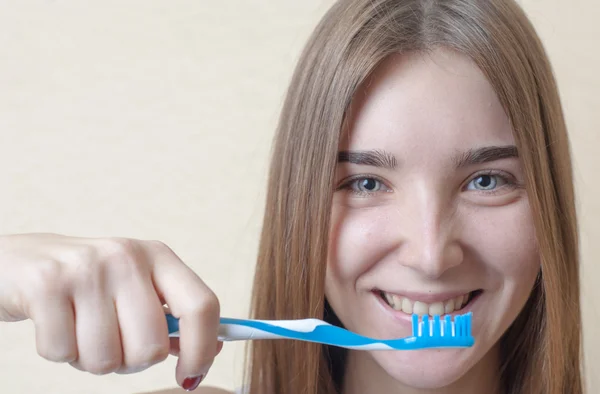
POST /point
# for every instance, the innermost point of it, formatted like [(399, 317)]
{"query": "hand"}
[(98, 303)]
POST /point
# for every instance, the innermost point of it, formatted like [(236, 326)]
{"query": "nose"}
[(429, 230)]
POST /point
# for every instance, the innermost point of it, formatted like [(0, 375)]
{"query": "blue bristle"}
[(468, 324), (426, 326), (415, 325), (456, 326), (448, 326), (436, 326)]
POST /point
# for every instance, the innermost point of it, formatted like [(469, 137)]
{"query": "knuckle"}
[(160, 249), (149, 355), (159, 246), (79, 253), (49, 270), (88, 274), (47, 277), (103, 367), (159, 353), (120, 248), (122, 254), (60, 355), (207, 306)]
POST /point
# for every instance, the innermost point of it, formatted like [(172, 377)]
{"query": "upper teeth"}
[(409, 306)]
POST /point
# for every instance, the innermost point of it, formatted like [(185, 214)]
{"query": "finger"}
[(197, 308), (54, 323), (173, 341), (174, 346), (144, 334), (98, 336)]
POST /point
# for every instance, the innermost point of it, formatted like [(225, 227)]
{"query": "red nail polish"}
[(191, 384)]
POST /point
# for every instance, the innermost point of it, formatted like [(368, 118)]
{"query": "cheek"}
[(506, 246), (505, 241), (357, 241)]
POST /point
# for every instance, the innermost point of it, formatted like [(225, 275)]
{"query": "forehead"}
[(439, 99)]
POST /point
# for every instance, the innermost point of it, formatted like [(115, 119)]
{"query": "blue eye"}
[(487, 182), (368, 185), (365, 185)]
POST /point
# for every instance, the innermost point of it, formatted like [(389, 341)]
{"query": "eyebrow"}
[(485, 154), (375, 158), (383, 159)]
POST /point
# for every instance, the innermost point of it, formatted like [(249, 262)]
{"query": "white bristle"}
[(429, 330)]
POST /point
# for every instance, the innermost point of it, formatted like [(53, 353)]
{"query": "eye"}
[(365, 185), (369, 185), (487, 182)]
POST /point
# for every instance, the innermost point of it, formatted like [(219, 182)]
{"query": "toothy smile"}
[(406, 305)]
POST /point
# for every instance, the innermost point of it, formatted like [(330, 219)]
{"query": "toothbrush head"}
[(433, 331)]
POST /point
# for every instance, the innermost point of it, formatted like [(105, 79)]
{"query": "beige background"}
[(153, 119)]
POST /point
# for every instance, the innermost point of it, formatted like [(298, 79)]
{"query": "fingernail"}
[(190, 384)]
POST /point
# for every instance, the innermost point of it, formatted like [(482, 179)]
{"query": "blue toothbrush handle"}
[(311, 330), (318, 331), (172, 323), (231, 329), (246, 329)]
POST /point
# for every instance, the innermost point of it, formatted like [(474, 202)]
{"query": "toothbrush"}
[(430, 332)]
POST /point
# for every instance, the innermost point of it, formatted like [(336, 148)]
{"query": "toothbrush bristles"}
[(436, 326)]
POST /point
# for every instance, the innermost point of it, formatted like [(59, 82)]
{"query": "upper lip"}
[(428, 298)]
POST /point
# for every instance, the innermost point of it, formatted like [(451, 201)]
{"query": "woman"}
[(421, 165)]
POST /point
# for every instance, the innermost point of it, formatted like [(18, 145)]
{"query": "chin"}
[(427, 369)]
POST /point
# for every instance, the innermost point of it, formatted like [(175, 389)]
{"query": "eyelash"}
[(508, 180), (347, 183)]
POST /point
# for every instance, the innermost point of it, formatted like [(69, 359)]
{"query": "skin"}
[(427, 227), (97, 304), (423, 227)]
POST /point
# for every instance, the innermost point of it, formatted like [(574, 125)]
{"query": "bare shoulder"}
[(199, 390)]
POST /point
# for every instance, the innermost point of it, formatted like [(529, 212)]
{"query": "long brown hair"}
[(541, 350)]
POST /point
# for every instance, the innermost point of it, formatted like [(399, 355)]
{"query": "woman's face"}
[(430, 216)]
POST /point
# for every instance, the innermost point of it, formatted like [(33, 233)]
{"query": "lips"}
[(410, 306)]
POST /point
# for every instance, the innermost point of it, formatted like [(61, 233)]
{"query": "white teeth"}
[(409, 306), (449, 307), (459, 301), (397, 302), (436, 309), (390, 299), (420, 308)]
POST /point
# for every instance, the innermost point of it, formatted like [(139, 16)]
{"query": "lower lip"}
[(406, 318)]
